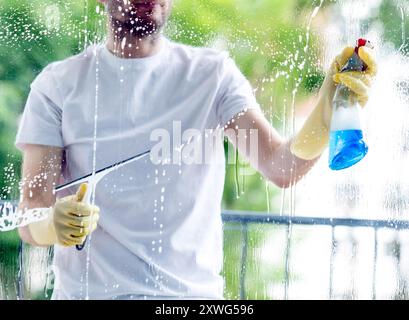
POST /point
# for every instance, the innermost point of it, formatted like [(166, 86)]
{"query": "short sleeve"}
[(235, 92), (41, 119)]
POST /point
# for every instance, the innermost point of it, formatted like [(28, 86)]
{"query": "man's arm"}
[(273, 159), (41, 171), (286, 162)]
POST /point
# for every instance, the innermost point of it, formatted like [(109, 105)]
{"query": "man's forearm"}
[(273, 158), (287, 169)]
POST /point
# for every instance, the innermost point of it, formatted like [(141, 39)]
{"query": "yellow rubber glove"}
[(313, 138), (68, 222)]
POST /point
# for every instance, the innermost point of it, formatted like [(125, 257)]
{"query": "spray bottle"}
[(347, 146)]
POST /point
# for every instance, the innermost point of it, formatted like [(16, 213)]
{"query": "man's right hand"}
[(68, 222)]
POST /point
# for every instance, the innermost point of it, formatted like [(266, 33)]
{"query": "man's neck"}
[(129, 46)]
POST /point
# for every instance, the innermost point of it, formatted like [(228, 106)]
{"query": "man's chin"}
[(140, 28)]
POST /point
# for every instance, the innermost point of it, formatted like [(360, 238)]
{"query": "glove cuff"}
[(313, 138), (43, 232)]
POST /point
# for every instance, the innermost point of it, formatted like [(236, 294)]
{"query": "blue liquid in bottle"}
[(347, 147)]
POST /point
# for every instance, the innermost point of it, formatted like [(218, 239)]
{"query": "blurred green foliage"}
[(395, 23)]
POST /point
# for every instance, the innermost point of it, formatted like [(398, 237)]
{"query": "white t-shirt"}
[(160, 228)]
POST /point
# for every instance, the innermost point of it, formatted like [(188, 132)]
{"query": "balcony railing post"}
[(243, 261), (375, 263), (287, 260), (331, 263), (20, 273)]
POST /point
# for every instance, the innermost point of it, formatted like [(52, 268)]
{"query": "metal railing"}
[(247, 218)]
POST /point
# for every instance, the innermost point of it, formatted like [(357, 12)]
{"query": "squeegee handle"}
[(86, 199)]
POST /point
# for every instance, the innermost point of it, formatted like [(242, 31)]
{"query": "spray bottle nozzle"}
[(355, 63), (363, 43)]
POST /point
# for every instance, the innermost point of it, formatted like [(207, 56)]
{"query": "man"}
[(160, 230)]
